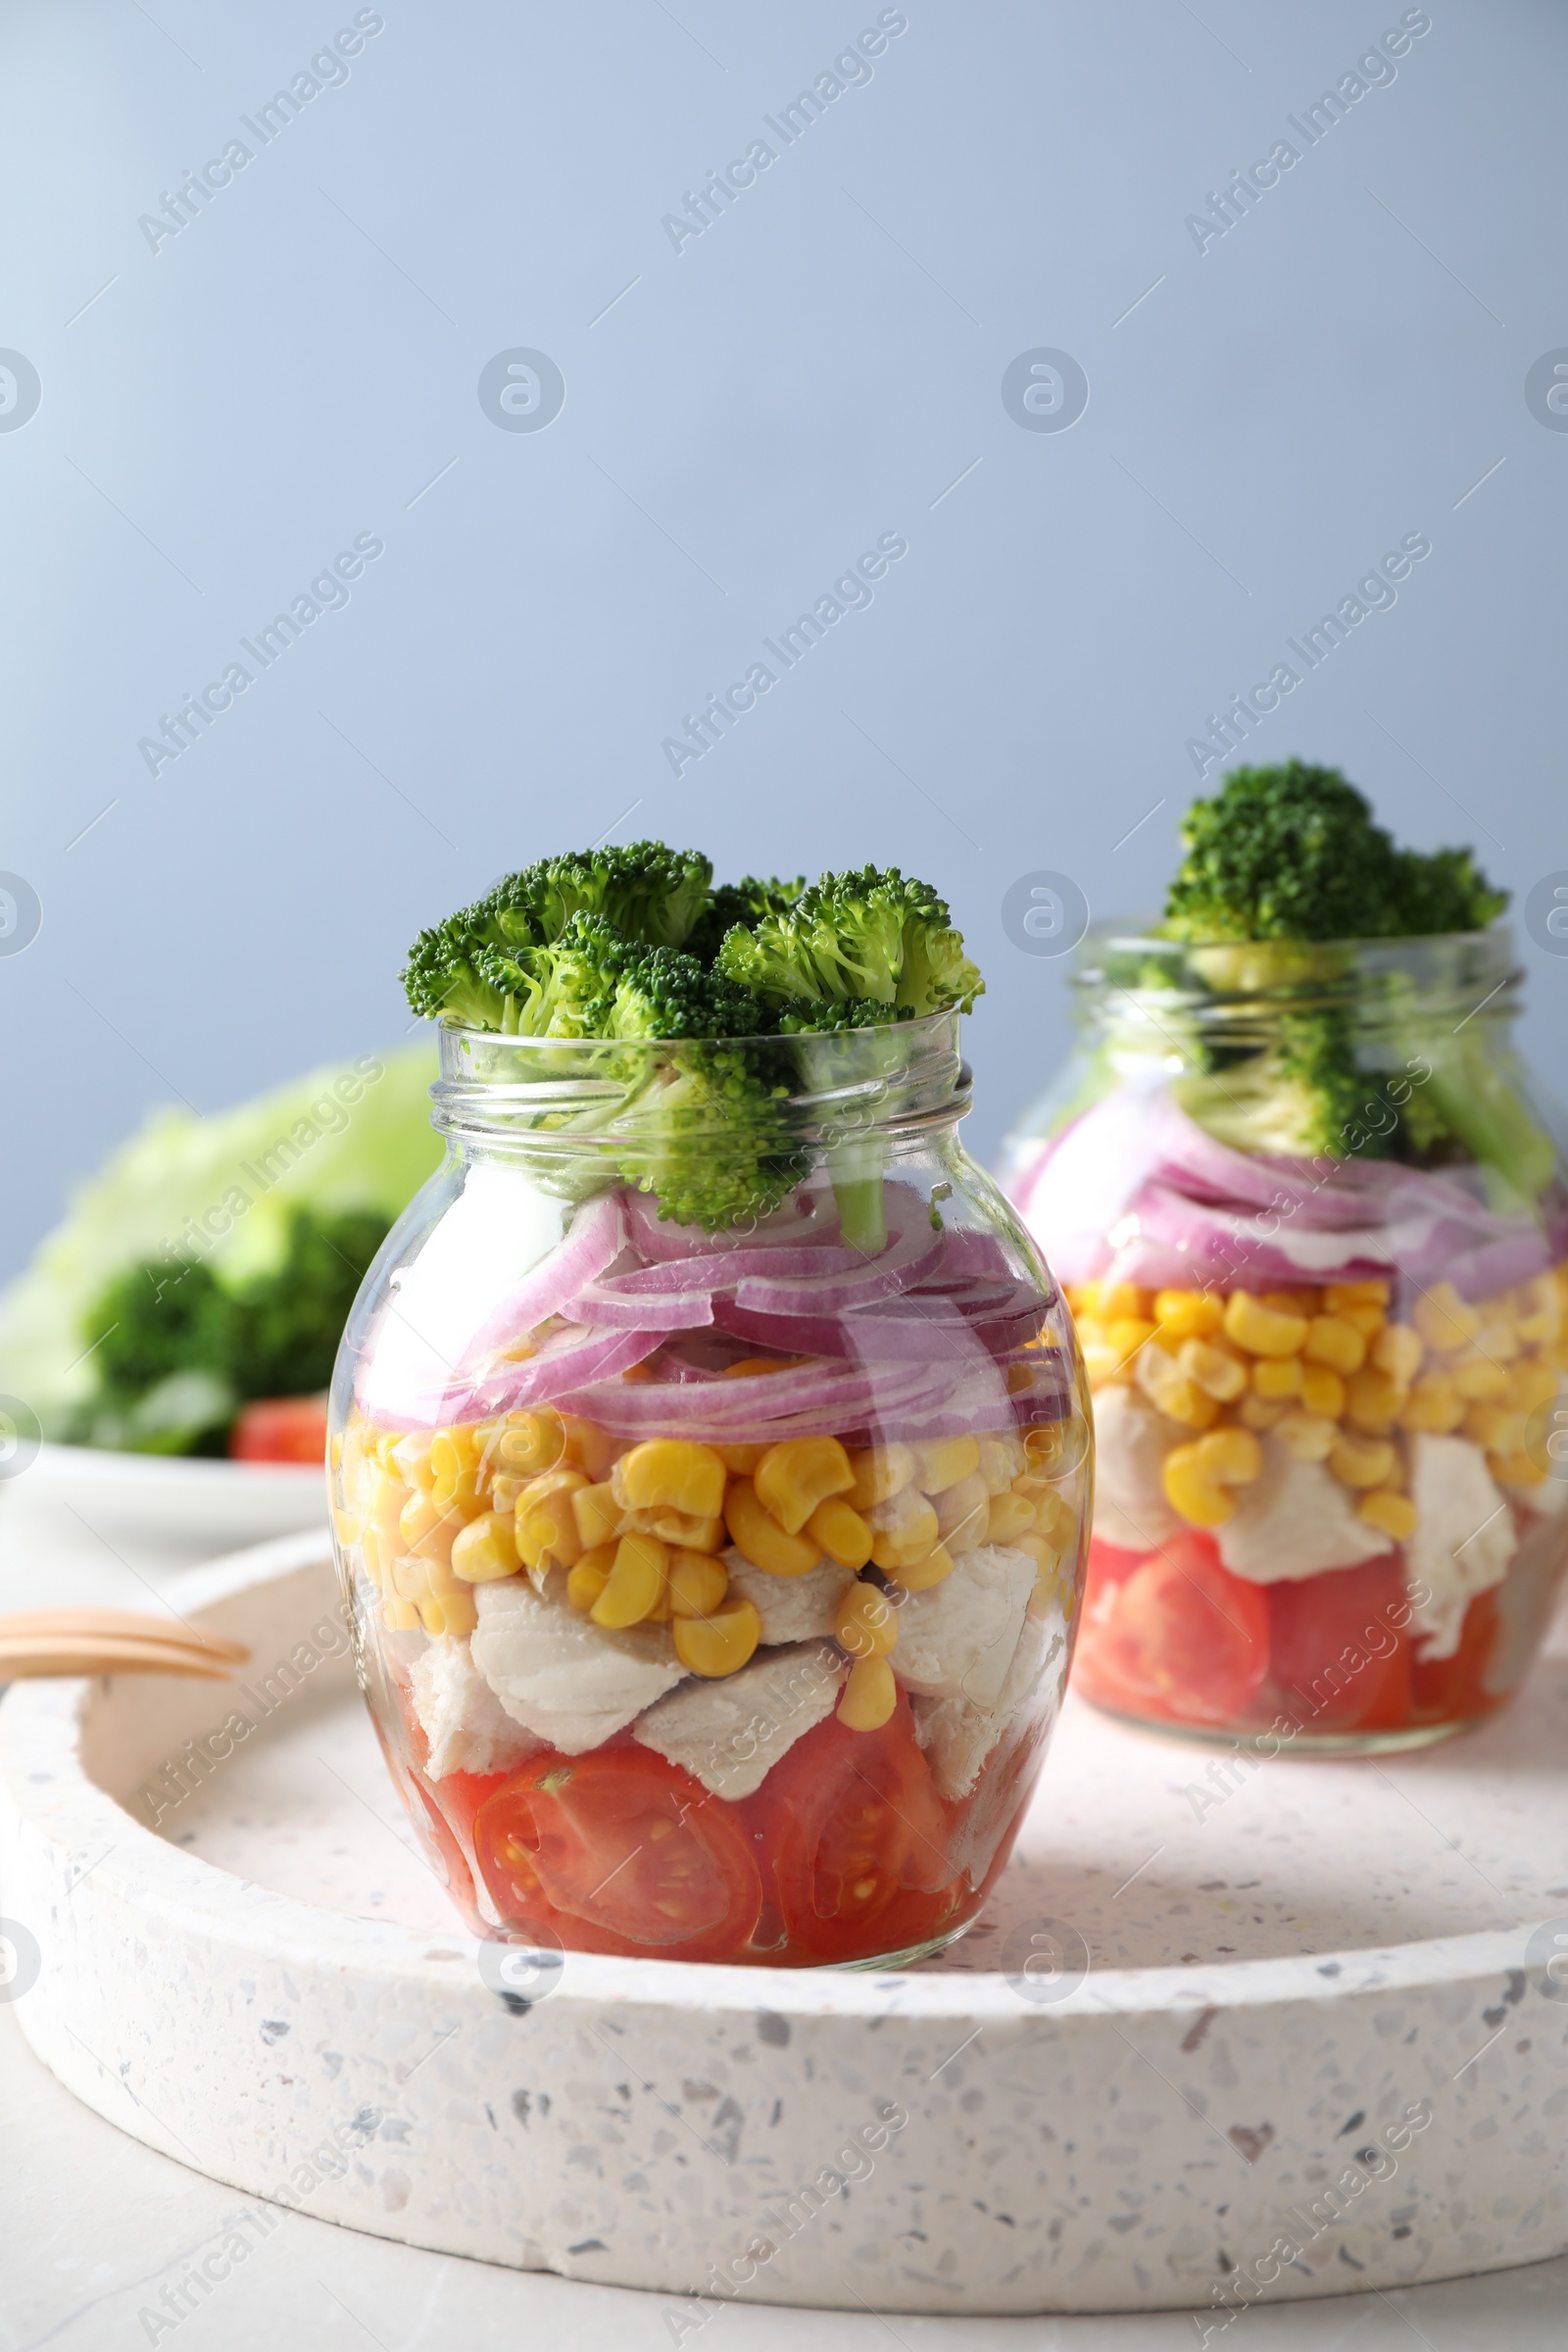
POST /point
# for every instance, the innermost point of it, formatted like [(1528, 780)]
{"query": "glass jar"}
[(714, 1581), (1314, 1237)]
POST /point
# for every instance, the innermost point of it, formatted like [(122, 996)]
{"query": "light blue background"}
[(815, 369)]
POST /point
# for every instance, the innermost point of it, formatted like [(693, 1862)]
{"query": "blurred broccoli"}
[(178, 1351), (1284, 868), (1295, 852), (869, 935)]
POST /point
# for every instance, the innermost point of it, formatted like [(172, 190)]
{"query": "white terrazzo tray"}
[(1305, 2041)]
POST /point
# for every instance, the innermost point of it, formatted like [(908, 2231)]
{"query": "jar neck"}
[(1186, 1005)]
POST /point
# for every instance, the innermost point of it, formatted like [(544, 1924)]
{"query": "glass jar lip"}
[(1141, 932), (924, 1024)]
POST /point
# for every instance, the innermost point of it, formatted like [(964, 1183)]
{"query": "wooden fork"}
[(69, 1642)]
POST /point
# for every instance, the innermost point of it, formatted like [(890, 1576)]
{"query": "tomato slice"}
[(621, 1852), (1180, 1637), (280, 1429), (1454, 1689), (856, 1841), (1341, 1663)]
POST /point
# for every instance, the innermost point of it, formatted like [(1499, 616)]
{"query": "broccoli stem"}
[(856, 1170), (1478, 1103)]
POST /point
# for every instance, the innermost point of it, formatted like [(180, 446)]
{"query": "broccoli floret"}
[(1282, 866), (743, 901), (178, 1351), (648, 893), (1295, 852), (869, 935)]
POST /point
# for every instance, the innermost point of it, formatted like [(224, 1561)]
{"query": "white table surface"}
[(94, 2227)]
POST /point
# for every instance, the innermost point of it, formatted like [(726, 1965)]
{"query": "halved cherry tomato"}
[(1180, 1637), (1453, 1687), (621, 1852), (1341, 1663), (280, 1429), (856, 1843)]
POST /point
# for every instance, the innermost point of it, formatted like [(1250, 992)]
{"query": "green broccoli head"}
[(646, 892), (871, 936), (1295, 852), (743, 901)]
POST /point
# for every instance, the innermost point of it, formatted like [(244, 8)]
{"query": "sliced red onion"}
[(543, 1378), (605, 1304), (722, 1269), (896, 1268), (593, 1241)]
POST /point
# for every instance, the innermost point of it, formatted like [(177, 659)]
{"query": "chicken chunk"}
[(1294, 1520), (792, 1608), (1131, 1443), (1464, 1537), (573, 1682), (466, 1728), (957, 1640), (729, 1733)]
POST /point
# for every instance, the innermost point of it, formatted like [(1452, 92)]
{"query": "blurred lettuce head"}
[(221, 1192)]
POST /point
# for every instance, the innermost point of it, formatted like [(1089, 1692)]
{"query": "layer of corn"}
[(1333, 1375)]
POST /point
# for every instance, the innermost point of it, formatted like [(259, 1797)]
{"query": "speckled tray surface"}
[(1228, 2032)]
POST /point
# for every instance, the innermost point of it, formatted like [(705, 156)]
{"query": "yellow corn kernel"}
[(589, 1449), (918, 1576), (759, 1537), (1277, 1376), (347, 1526), (1393, 1513), (411, 1457), (945, 1462), (1052, 1448), (1125, 1336), (1000, 1461), (418, 1517), (1233, 1457), (530, 1444), (1539, 1310), (1215, 1371), (697, 1584), (1444, 1320), (740, 1461), (1322, 1392), (903, 1529), (382, 1498), (1372, 1401), (1305, 1437), (962, 1511), (451, 1613), (546, 1523), (485, 1550), (670, 1473), (1477, 1378), (635, 1581), (1517, 1469), (866, 1624), (1168, 1388), (1434, 1405), (1262, 1412), (843, 1533), (1118, 1301), (880, 1471), (1102, 1363), (400, 1616), (1497, 1337), (1369, 1321), (1362, 1461), (1188, 1314), (586, 1582), (596, 1513), (719, 1643), (1341, 1294), (1531, 1384), (1397, 1351), (1330, 1340), (1495, 1427), (1263, 1330), (796, 1474), (1051, 1507), (1200, 1500), (1011, 1516), (676, 1527), (870, 1696)]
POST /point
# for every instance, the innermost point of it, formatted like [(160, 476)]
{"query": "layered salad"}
[(712, 1456), (1314, 1238)]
